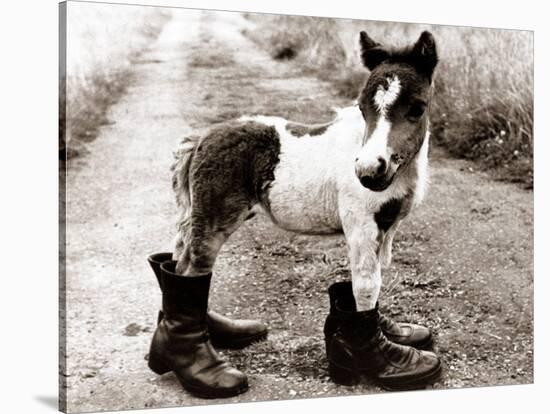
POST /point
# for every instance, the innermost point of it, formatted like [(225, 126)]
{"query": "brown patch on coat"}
[(230, 170), (393, 210), (300, 130), (234, 162)]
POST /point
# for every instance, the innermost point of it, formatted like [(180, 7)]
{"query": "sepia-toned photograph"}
[(259, 207)]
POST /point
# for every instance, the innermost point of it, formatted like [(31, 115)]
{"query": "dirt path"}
[(463, 263)]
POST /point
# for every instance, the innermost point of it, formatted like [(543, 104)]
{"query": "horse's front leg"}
[(364, 242), (361, 344), (385, 254)]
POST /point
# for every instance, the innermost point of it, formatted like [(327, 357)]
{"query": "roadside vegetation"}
[(483, 103), (102, 42)]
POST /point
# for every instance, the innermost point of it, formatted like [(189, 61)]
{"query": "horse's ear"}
[(425, 53), (372, 53)]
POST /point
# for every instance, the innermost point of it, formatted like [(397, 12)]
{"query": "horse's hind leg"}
[(184, 332), (207, 233)]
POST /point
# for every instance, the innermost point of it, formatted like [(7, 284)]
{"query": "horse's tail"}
[(180, 171), (180, 179)]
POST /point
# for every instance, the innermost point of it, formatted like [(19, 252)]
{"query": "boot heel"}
[(342, 376), (156, 366)]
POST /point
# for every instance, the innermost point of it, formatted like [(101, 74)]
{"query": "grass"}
[(102, 43), (87, 112), (483, 101)]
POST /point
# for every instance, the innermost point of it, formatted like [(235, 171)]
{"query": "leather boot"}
[(359, 347), (224, 332), (400, 333), (181, 343)]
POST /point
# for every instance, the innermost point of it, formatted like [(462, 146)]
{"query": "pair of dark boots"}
[(357, 342), (368, 343), (186, 331)]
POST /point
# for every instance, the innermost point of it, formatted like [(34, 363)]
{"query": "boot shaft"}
[(179, 292), (155, 261), (181, 341), (341, 293), (344, 317), (183, 294)]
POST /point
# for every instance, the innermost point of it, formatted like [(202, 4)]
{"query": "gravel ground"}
[(463, 263)]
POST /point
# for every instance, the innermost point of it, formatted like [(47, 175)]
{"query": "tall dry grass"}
[(483, 103), (101, 42)]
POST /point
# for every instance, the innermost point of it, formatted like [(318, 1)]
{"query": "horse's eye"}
[(416, 111)]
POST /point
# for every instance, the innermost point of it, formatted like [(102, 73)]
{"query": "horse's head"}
[(394, 104)]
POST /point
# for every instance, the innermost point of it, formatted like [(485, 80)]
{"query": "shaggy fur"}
[(224, 174), (304, 176)]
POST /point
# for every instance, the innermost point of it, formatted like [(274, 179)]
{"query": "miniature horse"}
[(360, 174)]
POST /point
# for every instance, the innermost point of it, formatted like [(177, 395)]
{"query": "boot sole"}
[(348, 377), (211, 394), (160, 369), (241, 342)]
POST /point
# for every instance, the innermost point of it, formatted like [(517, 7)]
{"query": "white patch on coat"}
[(375, 148), (304, 195), (376, 145), (315, 182), (385, 97)]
